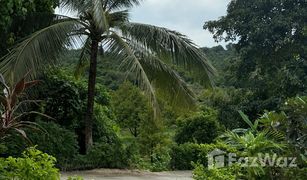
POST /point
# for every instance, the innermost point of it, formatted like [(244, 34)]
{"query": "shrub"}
[(63, 144), (3, 148), (135, 160), (202, 173), (199, 128), (296, 125), (298, 173), (58, 142), (33, 165), (160, 159), (13, 145), (184, 154), (54, 140), (101, 155), (107, 155), (75, 178), (104, 127)]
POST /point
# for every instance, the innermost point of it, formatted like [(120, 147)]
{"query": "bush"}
[(75, 178), (3, 148), (101, 155), (33, 165), (160, 159), (54, 140), (135, 160), (104, 127), (202, 173), (298, 173), (199, 128), (58, 142), (184, 154), (296, 125), (107, 155)]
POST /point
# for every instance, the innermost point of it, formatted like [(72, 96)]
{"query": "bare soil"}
[(116, 174)]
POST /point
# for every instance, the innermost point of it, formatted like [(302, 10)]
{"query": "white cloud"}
[(185, 16)]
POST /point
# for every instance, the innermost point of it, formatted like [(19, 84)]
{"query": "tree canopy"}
[(271, 43), (143, 51), (15, 17)]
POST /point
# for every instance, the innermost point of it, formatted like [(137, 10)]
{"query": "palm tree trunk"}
[(91, 96)]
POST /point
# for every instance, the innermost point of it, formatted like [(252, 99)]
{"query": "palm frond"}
[(83, 59), (118, 17), (274, 134), (112, 5), (40, 49), (232, 139), (30, 113), (181, 50), (78, 6), (131, 64), (99, 15), (164, 78)]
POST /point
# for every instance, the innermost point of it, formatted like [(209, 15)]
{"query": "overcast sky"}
[(185, 16)]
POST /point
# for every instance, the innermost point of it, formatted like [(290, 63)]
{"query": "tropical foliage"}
[(200, 128), (33, 164), (11, 108), (118, 94), (15, 17), (142, 50)]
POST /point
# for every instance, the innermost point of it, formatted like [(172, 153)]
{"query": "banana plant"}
[(11, 108)]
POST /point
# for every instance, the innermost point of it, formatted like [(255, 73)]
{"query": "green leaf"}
[(177, 47), (131, 63), (84, 59), (99, 16), (40, 49), (246, 119)]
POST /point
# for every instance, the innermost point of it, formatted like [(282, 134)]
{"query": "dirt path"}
[(113, 174)]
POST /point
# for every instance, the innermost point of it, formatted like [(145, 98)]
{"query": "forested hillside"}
[(99, 91)]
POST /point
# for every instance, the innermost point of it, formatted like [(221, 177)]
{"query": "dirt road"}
[(113, 174)]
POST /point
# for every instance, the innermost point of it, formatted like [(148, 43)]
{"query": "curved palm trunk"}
[(91, 96)]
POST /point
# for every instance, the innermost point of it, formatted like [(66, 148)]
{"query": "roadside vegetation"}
[(99, 91)]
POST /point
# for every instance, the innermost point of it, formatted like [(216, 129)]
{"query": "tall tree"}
[(143, 50), (130, 107), (272, 43)]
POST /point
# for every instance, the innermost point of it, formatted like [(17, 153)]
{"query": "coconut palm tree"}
[(143, 50)]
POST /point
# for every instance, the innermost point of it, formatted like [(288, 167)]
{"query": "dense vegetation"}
[(258, 103)]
